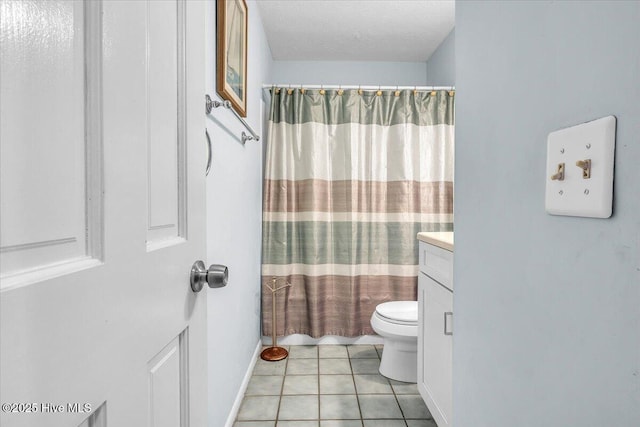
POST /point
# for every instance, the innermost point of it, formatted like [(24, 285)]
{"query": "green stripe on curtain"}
[(420, 108), (343, 242)]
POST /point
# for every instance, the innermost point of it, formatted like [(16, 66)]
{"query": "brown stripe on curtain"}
[(316, 195), (341, 305)]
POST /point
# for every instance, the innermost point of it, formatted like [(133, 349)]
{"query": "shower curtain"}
[(350, 177)]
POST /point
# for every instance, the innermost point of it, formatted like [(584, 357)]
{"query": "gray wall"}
[(349, 73), (547, 308), (441, 66), (234, 224)]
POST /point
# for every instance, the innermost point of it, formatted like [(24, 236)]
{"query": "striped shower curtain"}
[(351, 176)]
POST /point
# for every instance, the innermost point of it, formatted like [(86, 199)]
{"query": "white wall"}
[(441, 66), (234, 198), (546, 308), (349, 73)]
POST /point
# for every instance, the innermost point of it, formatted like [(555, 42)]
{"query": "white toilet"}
[(397, 323)]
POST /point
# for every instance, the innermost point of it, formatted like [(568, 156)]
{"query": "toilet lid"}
[(399, 311)]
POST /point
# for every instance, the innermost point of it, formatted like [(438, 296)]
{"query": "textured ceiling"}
[(356, 30)]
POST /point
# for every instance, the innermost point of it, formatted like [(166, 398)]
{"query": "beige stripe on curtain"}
[(349, 181)]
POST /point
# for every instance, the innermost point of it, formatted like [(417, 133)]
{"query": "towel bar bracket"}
[(210, 104)]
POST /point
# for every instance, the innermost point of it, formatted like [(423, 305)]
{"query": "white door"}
[(102, 213)]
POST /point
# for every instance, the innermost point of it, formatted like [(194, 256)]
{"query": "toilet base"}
[(400, 359)]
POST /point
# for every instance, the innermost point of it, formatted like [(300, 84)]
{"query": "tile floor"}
[(330, 386)]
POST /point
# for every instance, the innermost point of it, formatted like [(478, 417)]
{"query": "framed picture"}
[(231, 49)]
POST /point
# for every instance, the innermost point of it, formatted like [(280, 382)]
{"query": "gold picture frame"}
[(231, 67)]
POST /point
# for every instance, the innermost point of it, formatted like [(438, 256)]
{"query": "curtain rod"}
[(363, 87)]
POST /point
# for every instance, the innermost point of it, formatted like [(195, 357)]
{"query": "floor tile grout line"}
[(318, 373), (398, 402), (353, 378), (284, 377)]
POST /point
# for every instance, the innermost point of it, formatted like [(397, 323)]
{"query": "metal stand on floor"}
[(274, 353)]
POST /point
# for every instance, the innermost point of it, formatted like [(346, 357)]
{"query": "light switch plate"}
[(575, 195)]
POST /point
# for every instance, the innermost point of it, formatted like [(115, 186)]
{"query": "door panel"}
[(437, 349), (98, 417), (167, 384), (124, 331), (164, 96), (45, 150)]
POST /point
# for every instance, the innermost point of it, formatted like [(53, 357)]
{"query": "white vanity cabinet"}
[(435, 316)]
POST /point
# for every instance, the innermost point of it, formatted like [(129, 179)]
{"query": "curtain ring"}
[(322, 91), (379, 92), (359, 90), (289, 90), (415, 90), (397, 93), (433, 91), (340, 91)]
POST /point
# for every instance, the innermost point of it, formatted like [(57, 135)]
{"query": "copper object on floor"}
[(274, 353)]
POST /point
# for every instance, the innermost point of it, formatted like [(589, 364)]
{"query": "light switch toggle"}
[(585, 165), (559, 175)]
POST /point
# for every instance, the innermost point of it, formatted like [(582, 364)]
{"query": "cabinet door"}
[(434, 348)]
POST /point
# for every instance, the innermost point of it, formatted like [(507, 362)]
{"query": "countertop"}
[(441, 239)]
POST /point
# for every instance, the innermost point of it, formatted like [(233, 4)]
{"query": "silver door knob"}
[(216, 276)]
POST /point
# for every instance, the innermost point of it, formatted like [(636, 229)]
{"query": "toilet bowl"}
[(397, 323)]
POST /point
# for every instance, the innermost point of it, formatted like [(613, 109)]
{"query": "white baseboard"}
[(243, 387), (301, 339)]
